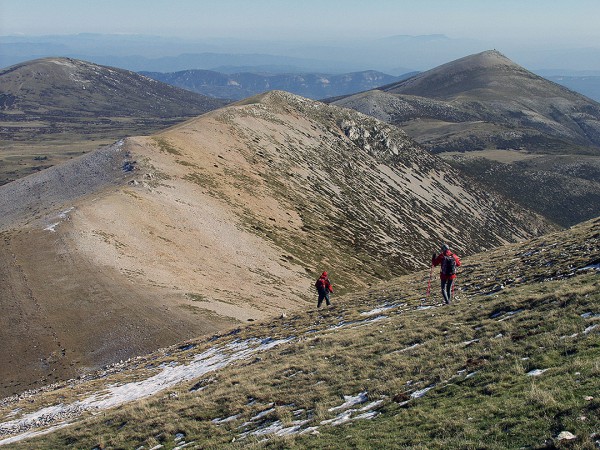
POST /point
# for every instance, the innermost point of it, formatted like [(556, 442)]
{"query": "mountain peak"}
[(488, 58), (473, 72)]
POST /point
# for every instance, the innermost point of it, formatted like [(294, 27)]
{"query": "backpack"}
[(320, 284), (448, 265)]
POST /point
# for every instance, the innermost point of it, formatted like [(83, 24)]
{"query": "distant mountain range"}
[(395, 55), (237, 86), (487, 103), (237, 82)]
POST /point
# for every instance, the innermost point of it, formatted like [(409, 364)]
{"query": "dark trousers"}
[(447, 286), (323, 294)]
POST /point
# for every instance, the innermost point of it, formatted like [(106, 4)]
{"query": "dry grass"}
[(475, 356)]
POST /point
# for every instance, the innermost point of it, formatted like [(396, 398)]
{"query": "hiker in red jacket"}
[(448, 263), (323, 288)]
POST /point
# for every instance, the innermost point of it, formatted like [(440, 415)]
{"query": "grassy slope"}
[(295, 184), (520, 308), (565, 189)]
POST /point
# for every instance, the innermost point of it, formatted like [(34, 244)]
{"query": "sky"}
[(348, 35), (568, 22)]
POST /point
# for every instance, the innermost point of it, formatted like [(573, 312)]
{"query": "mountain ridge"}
[(54, 108), (203, 224), (237, 86)]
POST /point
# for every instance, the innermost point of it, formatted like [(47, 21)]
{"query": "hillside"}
[(518, 109), (512, 363), (54, 108), (224, 219), (563, 188), (486, 111), (238, 86)]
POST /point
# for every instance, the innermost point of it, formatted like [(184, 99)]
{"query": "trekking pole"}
[(454, 284), (429, 282)]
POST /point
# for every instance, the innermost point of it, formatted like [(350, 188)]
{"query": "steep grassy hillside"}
[(565, 188), (52, 109), (512, 363), (227, 218)]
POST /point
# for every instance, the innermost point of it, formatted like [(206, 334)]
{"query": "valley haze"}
[(331, 36)]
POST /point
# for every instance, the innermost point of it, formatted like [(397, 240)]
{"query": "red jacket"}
[(324, 282), (438, 260)]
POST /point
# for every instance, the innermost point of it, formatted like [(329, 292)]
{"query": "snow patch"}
[(422, 392), (52, 227), (410, 347), (259, 416), (381, 309), (351, 401), (357, 323), (277, 429), (116, 395), (225, 420), (30, 434), (595, 267), (339, 419), (590, 315), (63, 215), (536, 372)]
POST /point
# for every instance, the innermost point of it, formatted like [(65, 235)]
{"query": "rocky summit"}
[(224, 219)]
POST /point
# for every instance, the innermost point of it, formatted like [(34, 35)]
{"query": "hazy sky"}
[(572, 22)]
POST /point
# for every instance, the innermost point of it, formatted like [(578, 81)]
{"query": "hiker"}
[(323, 288), (448, 263)]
